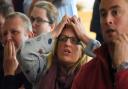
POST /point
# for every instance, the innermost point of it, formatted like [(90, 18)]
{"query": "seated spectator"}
[(58, 70), (43, 16), (5, 9), (109, 69), (16, 29)]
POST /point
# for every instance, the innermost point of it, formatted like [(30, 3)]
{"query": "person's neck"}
[(65, 68)]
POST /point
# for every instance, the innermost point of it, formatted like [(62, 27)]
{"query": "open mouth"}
[(67, 51), (110, 31)]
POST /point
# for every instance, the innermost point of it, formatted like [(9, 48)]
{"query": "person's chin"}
[(66, 60)]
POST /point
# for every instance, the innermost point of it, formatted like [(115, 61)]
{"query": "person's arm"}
[(10, 65), (79, 29), (120, 61), (33, 56)]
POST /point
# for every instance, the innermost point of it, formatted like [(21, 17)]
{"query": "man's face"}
[(14, 30), (69, 49), (114, 19), (39, 21)]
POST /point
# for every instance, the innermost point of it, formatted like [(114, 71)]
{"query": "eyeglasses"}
[(64, 38), (38, 20)]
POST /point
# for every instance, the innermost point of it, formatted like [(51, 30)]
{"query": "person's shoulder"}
[(101, 53)]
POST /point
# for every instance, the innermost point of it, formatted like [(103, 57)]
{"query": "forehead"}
[(13, 23), (108, 4), (39, 11), (68, 31)]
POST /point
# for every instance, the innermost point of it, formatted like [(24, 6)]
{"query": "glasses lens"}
[(38, 20), (73, 40)]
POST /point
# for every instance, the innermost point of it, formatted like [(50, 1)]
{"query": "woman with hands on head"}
[(53, 65)]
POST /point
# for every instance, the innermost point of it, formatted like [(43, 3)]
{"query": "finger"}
[(79, 19), (5, 50), (10, 49), (68, 20), (13, 50), (125, 37), (74, 27), (65, 19), (117, 40), (74, 19)]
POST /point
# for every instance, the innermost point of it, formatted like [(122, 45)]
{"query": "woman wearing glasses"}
[(55, 70), (43, 16)]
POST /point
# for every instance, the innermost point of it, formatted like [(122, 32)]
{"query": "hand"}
[(10, 62), (120, 53), (79, 29), (57, 31)]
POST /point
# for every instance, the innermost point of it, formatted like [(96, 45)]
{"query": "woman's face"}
[(40, 21), (69, 49)]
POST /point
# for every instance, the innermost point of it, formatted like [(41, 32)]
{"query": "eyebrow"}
[(113, 7)]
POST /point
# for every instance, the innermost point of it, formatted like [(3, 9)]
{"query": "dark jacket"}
[(1, 67), (15, 82), (11, 82)]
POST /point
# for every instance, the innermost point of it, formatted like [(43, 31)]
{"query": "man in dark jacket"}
[(5, 9)]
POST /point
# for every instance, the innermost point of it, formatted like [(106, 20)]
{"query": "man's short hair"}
[(26, 20)]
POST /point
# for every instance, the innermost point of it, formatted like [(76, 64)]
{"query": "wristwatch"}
[(122, 66)]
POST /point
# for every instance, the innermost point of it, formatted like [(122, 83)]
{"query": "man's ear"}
[(52, 26)]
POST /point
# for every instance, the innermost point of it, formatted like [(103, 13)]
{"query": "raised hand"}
[(79, 29), (120, 53), (58, 29), (10, 62), (81, 33)]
